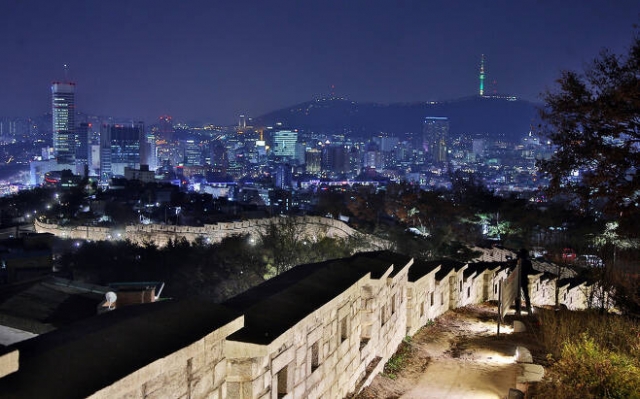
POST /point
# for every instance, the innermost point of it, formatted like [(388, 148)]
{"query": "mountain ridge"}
[(489, 117)]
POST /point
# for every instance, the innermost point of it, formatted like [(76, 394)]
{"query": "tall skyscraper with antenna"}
[(482, 75), (63, 111)]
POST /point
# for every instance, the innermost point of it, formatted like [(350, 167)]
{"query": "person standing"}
[(526, 269)]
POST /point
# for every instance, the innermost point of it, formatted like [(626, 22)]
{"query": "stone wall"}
[(336, 349), (313, 227), (196, 371), (328, 353)]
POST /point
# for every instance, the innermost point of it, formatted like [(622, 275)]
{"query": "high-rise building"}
[(335, 159), (193, 152), (63, 109), (435, 134), (313, 161), (284, 143), (121, 146), (219, 157), (165, 129), (284, 175), (82, 148)]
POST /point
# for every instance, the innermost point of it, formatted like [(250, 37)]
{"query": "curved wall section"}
[(313, 227)]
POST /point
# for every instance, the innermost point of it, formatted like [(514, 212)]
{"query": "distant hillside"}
[(491, 117)]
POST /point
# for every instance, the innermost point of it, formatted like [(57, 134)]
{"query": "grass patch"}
[(398, 360)]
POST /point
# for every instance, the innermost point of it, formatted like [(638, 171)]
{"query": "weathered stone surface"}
[(531, 373), (201, 385), (523, 355), (219, 372), (519, 326)]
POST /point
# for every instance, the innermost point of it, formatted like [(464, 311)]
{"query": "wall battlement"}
[(158, 234), (317, 331)]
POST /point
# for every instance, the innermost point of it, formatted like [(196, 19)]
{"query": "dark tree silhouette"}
[(594, 120)]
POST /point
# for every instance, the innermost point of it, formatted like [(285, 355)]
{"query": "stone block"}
[(523, 355), (198, 361), (241, 368), (201, 385), (247, 390), (154, 384), (9, 363), (315, 377), (301, 356), (329, 362), (133, 394), (283, 359), (219, 372), (233, 390), (175, 385), (531, 373), (299, 391), (519, 326), (329, 376), (213, 350)]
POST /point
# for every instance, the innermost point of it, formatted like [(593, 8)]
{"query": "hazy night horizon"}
[(214, 61)]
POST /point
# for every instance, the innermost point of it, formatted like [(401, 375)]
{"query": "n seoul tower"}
[(482, 75)]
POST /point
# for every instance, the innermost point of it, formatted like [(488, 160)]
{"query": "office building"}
[(121, 146), (63, 109), (284, 143), (435, 135), (82, 148), (335, 159), (313, 161)]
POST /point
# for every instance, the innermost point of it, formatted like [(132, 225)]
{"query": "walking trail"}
[(458, 356)]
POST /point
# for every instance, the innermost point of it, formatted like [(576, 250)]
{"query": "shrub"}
[(611, 332), (587, 370), (598, 355)]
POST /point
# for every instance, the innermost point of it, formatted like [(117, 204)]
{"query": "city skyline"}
[(212, 62)]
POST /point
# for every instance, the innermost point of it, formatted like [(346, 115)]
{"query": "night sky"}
[(210, 60)]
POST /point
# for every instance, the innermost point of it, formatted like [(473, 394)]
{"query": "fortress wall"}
[(196, 371), (327, 353), (333, 351), (422, 302), (313, 227), (315, 358)]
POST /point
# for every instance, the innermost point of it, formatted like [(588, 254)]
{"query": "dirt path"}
[(458, 356), (453, 378)]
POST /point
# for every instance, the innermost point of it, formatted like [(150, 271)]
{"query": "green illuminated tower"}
[(482, 75)]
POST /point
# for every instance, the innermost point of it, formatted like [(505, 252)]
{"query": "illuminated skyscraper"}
[(165, 128), (313, 160), (82, 148), (121, 146), (435, 135), (63, 109), (284, 143)]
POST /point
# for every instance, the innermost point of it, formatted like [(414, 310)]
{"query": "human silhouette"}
[(526, 269)]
